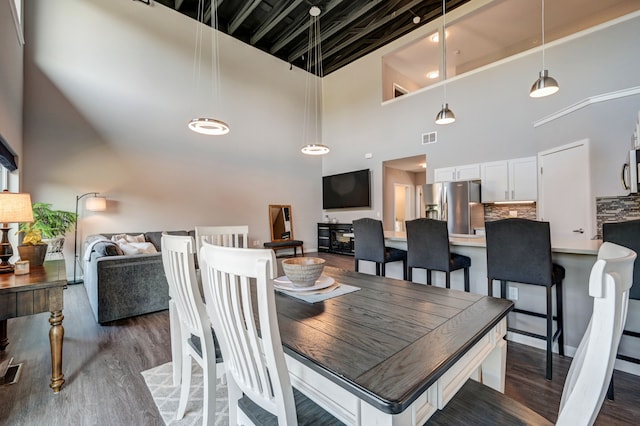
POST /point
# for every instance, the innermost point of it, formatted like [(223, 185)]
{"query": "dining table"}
[(393, 352)]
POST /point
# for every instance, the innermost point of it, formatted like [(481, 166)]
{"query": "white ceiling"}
[(500, 29)]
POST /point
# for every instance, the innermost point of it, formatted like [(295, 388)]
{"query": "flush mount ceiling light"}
[(433, 74), (204, 125), (544, 85), (313, 93), (445, 116)]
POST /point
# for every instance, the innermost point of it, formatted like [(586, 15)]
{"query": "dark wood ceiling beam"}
[(380, 23), (243, 14), (379, 42), (278, 15), (335, 28), (299, 27), (178, 4), (207, 13)]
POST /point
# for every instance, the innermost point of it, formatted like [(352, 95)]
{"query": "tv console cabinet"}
[(335, 238)]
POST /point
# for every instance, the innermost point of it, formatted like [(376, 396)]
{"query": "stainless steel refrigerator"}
[(456, 202)]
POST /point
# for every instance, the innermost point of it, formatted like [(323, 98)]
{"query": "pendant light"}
[(445, 116), (544, 85), (206, 125), (313, 92)]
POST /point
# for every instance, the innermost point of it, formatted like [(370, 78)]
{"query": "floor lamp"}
[(94, 204)]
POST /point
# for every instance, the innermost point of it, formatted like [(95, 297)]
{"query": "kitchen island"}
[(576, 256)]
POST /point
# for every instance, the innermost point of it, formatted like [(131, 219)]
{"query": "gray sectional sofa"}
[(122, 286)]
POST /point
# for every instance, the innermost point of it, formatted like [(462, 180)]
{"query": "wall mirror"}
[(281, 222)]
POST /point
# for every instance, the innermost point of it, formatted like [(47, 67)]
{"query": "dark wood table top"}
[(51, 274), (389, 341)]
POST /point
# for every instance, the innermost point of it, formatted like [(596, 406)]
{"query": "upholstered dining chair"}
[(586, 384), (428, 248), (519, 250), (192, 336), (259, 386), (369, 245), (626, 234)]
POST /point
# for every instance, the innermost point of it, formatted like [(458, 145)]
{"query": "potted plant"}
[(48, 224), (32, 247)]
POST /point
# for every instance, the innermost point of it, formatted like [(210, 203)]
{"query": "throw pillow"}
[(129, 238), (107, 248), (145, 248), (127, 248)]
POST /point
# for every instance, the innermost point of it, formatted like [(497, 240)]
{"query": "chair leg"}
[(302, 250), (549, 333), (466, 279), (410, 273), (503, 289), (610, 395), (560, 318), (429, 276), (404, 269), (381, 269), (185, 386), (447, 279), (356, 266)]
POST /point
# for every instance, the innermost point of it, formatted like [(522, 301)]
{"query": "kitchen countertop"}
[(557, 246)]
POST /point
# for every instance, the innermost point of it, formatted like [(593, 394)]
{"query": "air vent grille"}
[(431, 137)]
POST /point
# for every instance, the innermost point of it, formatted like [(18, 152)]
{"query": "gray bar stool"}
[(428, 248), (626, 234), (519, 250), (368, 238)]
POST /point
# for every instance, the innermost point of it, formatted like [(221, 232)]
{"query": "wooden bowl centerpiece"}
[(303, 271)]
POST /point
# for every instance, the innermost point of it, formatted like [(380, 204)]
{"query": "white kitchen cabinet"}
[(510, 180), (448, 174)]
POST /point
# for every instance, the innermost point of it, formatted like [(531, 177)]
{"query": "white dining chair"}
[(192, 336), (588, 378), (260, 390), (227, 236)]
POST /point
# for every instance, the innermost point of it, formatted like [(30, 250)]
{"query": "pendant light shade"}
[(209, 126), (445, 116), (312, 132), (544, 85), (206, 125)]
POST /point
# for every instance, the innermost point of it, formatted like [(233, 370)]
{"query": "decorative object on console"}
[(544, 85), (312, 129), (14, 207), (94, 204), (445, 116), (203, 125)]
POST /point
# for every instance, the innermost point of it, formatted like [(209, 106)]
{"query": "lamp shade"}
[(15, 207), (445, 116), (96, 204), (544, 86)]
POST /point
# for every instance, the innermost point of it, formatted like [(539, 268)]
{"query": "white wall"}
[(494, 112), (11, 54), (108, 94)]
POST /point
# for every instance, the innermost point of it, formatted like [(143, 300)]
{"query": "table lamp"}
[(14, 207)]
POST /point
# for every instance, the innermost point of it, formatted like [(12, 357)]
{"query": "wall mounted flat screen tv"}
[(346, 190)]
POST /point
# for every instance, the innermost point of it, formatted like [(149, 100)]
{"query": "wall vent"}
[(431, 137)]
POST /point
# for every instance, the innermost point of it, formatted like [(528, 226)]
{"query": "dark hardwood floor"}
[(102, 366)]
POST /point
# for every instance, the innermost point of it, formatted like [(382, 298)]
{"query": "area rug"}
[(159, 380)]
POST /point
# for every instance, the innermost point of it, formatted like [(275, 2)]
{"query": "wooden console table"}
[(39, 291)]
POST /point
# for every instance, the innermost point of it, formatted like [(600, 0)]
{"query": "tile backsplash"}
[(502, 211), (616, 209)]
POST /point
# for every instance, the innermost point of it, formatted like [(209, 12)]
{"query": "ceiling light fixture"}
[(313, 92), (544, 85), (205, 125), (433, 74), (445, 116)]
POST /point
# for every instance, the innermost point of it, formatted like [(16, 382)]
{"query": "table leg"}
[(56, 335), (4, 342)]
